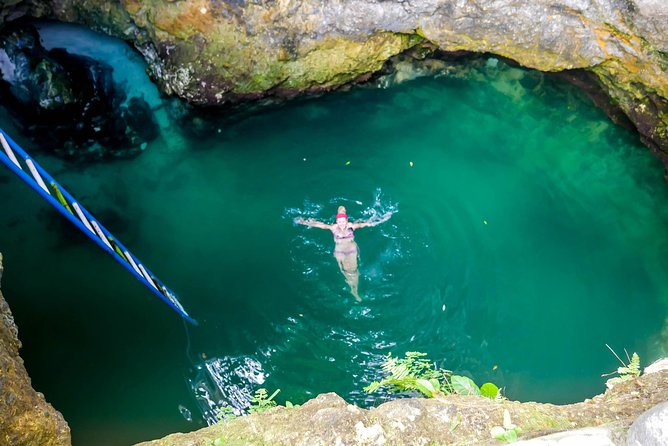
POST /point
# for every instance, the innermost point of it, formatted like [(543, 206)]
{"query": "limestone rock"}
[(657, 366), (451, 420), (26, 419), (594, 436), (215, 52), (651, 428)]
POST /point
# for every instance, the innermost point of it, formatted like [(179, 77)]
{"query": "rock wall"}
[(451, 420), (218, 51), (25, 417)]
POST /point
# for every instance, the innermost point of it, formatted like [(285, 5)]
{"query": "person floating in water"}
[(346, 251)]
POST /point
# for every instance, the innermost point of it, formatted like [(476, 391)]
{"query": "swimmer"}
[(346, 251)]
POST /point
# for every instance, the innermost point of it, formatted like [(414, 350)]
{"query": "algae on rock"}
[(26, 419), (216, 52), (453, 419)]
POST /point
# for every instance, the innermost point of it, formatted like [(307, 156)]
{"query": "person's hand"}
[(382, 219), (299, 220)]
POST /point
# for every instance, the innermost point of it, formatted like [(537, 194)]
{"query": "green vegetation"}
[(508, 432), (261, 402), (416, 373), (627, 371), (225, 413)]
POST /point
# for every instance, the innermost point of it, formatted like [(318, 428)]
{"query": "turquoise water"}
[(526, 233)]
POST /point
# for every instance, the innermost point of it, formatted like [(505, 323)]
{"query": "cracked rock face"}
[(212, 52), (452, 420), (26, 419)]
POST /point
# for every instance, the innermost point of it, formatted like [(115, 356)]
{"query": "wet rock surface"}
[(213, 52), (26, 419), (69, 104)]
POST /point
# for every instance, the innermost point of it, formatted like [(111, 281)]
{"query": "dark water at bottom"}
[(527, 231)]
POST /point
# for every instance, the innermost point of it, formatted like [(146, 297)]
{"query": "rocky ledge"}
[(25, 416), (219, 51), (452, 420)]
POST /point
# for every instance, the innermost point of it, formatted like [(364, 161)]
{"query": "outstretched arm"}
[(372, 222), (312, 223)]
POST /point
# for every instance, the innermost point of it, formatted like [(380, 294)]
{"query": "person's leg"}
[(353, 280), (352, 275), (339, 261)]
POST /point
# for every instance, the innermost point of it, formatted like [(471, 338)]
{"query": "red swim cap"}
[(341, 216)]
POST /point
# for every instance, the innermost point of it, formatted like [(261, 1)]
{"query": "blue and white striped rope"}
[(82, 219)]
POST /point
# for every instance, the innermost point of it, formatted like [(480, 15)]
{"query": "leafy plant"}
[(490, 390), (464, 385), (508, 432), (416, 373), (225, 413), (626, 372), (260, 402), (412, 373)]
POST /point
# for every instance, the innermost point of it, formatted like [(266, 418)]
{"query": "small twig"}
[(613, 352), (273, 395)]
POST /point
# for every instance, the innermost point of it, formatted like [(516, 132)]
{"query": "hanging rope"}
[(59, 198)]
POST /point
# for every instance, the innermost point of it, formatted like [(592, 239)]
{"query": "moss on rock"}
[(26, 419), (216, 52), (453, 420)]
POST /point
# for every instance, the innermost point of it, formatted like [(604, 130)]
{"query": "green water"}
[(528, 232)]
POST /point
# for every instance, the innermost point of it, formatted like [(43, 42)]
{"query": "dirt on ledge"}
[(452, 420)]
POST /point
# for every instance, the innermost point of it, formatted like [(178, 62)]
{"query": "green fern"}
[(260, 402), (633, 367), (410, 374), (628, 370)]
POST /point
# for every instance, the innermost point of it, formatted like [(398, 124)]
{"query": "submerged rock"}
[(26, 419), (68, 103)]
